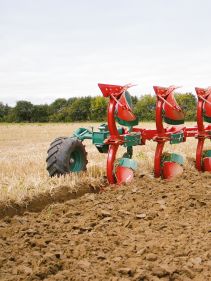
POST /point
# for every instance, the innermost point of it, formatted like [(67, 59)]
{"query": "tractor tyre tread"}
[(56, 142), (59, 155)]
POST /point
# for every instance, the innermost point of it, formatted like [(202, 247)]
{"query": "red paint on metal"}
[(160, 91), (203, 92), (110, 163), (115, 90), (171, 170), (199, 151), (111, 119), (114, 135), (114, 93), (172, 109), (166, 102), (124, 111), (169, 104), (204, 99), (164, 91), (200, 135), (207, 106), (124, 174), (159, 118), (207, 164), (109, 90), (200, 121), (157, 159)]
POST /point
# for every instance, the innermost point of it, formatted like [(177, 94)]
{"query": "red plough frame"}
[(168, 111)]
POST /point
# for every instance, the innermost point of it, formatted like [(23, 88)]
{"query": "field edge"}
[(43, 200)]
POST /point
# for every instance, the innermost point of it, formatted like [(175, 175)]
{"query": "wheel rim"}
[(76, 161)]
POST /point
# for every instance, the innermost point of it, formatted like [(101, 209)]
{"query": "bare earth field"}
[(149, 230)]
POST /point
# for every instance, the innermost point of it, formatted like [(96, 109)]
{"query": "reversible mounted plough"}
[(67, 155)]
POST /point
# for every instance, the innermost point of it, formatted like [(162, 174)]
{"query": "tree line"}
[(87, 109)]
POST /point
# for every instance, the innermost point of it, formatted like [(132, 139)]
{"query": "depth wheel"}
[(66, 155)]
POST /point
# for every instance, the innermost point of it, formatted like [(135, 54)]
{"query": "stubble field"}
[(148, 230)]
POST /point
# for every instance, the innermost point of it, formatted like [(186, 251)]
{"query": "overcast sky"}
[(60, 48)]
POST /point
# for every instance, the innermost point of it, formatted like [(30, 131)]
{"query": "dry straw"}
[(23, 151)]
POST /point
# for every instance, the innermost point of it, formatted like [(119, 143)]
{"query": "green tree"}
[(10, 117), (71, 100), (40, 113), (60, 116), (145, 108), (2, 111), (79, 110), (188, 104), (57, 105), (134, 100), (23, 111), (98, 108)]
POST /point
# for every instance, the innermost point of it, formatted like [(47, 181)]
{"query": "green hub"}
[(76, 161)]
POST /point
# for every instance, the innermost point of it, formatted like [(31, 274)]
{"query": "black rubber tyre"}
[(66, 155)]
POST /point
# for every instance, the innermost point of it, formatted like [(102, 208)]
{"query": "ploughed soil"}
[(148, 230)]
